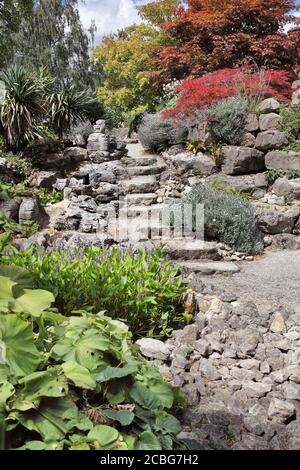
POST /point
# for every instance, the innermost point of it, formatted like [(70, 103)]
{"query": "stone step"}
[(137, 210), (145, 170), (139, 161), (146, 199), (141, 184), (187, 249), (208, 267)]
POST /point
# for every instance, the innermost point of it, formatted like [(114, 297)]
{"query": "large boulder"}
[(76, 154), (272, 139), (283, 160), (188, 164), (10, 209), (274, 221), (98, 141), (269, 105), (44, 179), (269, 121), (248, 140), (242, 160), (108, 172), (29, 210)]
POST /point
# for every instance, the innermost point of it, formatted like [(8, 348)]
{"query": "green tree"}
[(11, 14), (125, 62), (53, 37)]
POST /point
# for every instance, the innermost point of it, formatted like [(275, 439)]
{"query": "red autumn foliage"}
[(197, 94), (215, 34)]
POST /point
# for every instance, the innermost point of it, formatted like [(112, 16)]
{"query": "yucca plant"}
[(22, 108), (67, 108)]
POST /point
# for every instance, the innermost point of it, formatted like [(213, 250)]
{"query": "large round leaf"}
[(17, 345), (34, 302)]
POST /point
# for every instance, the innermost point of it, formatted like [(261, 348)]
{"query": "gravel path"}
[(271, 279)]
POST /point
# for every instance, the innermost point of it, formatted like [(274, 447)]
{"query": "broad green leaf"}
[(147, 441), (6, 289), (6, 391), (144, 397), (34, 302), (166, 442), (48, 383), (77, 420), (124, 417), (165, 393), (79, 375), (81, 446), (48, 419), (105, 435), (19, 275), (18, 348), (167, 423), (115, 372)]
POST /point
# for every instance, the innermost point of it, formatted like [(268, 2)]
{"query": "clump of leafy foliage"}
[(18, 191), (12, 228), (75, 383), (136, 285), (157, 134), (273, 175), (290, 122), (228, 217)]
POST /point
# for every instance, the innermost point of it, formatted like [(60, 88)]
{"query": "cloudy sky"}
[(109, 15)]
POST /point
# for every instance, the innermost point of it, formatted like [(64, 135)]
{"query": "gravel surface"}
[(272, 278)]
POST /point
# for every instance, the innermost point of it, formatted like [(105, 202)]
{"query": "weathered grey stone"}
[(153, 348), (209, 371), (286, 241), (273, 222), (10, 209), (292, 391), (296, 84), (269, 121), (293, 373), (256, 389), (269, 105), (282, 187), (280, 410), (85, 202), (76, 154), (248, 140), (283, 160), (296, 98), (252, 123), (254, 426), (98, 141), (44, 179), (260, 180), (29, 210), (188, 164), (106, 192), (278, 324), (250, 364), (242, 160), (141, 184), (108, 172), (272, 139)]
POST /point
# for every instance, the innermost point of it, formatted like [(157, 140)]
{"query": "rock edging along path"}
[(239, 367)]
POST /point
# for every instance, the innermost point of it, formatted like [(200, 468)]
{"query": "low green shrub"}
[(228, 119), (219, 183), (157, 134), (10, 227), (228, 217), (45, 196), (75, 383), (136, 285), (290, 122), (273, 175)]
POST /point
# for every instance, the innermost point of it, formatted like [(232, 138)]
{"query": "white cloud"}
[(109, 15)]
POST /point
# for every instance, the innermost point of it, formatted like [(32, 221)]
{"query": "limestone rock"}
[(44, 179), (248, 140), (280, 410), (269, 105), (273, 222), (242, 160), (252, 124), (272, 139), (278, 323), (188, 164), (296, 98), (282, 187), (269, 121), (10, 209), (29, 210), (153, 348), (283, 160), (76, 154)]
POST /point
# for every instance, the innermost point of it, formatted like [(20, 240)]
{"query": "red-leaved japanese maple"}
[(196, 94)]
